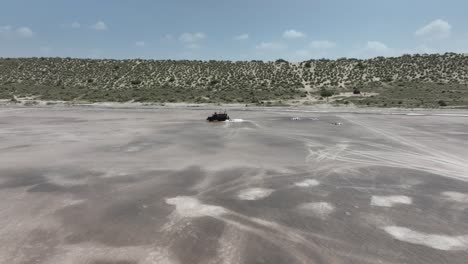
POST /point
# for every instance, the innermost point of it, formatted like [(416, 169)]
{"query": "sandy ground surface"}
[(126, 186)]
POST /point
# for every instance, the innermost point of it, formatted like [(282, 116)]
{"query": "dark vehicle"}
[(218, 117)]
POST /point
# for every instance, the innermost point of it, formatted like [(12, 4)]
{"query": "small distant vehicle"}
[(337, 124), (295, 118), (218, 117)]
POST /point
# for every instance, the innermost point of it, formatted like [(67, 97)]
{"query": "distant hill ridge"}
[(220, 81)]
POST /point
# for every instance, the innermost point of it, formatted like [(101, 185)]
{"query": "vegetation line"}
[(406, 81)]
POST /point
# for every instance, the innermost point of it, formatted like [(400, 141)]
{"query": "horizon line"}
[(221, 60)]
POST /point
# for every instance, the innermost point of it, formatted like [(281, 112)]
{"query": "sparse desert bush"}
[(326, 93), (422, 79), (442, 103), (31, 103), (281, 61)]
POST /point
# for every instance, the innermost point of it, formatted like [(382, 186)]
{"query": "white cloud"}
[(193, 46), (242, 37), (376, 46), (293, 34), (322, 44), (11, 32), (5, 31), (373, 49), (191, 40), (437, 29), (100, 25), (140, 44), (192, 37), (270, 46), (75, 25), (168, 37), (24, 32)]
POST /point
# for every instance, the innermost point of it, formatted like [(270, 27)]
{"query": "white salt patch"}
[(389, 201), (449, 115), (456, 196), (254, 193), (230, 246), (133, 149), (321, 209), (71, 202), (265, 223), (376, 220), (160, 256), (441, 242), (457, 133), (66, 137), (113, 173), (190, 207), (307, 183)]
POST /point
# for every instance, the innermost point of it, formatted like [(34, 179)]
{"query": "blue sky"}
[(232, 30)]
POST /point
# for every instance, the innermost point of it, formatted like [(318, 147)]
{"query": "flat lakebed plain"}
[(91, 185)]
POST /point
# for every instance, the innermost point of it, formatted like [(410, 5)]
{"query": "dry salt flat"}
[(138, 185)]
